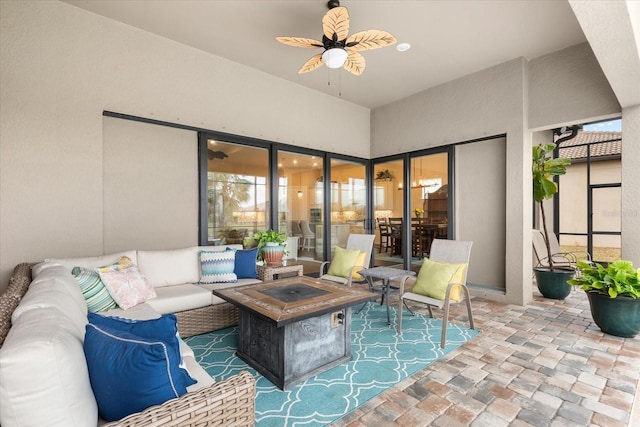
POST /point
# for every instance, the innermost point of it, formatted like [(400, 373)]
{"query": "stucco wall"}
[(567, 87), (63, 66), (513, 98)]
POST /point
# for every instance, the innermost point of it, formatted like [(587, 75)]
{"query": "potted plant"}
[(614, 296), (384, 175), (551, 280), (271, 246)]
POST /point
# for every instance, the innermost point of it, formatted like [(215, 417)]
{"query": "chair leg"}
[(445, 320), (408, 308), (399, 323), (430, 312), (468, 301)]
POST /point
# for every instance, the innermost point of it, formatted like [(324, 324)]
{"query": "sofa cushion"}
[(59, 277), (51, 294), (137, 371), (198, 373), (172, 299), (140, 312), (125, 283), (95, 294), (170, 267), (93, 262), (217, 267), (42, 359), (245, 263)]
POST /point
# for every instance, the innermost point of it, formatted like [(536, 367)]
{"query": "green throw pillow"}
[(434, 277), (342, 261)]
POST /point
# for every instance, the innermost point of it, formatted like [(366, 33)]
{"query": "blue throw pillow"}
[(130, 372), (245, 264)]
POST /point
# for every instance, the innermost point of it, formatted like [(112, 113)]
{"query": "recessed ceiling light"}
[(403, 47)]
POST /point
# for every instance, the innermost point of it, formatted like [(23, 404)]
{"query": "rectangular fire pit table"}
[(292, 329)]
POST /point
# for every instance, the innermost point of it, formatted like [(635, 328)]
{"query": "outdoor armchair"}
[(452, 255), (362, 242)]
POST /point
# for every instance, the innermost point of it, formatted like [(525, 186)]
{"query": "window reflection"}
[(237, 192)]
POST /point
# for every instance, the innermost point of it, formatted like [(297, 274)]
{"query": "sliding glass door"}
[(348, 201), (301, 202), (237, 199), (429, 203)]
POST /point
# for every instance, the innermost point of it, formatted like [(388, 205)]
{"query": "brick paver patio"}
[(546, 364)]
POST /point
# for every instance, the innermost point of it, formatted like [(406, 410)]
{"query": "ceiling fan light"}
[(335, 57)]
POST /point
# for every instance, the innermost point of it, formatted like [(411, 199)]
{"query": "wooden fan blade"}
[(336, 21), (370, 39), (299, 42), (311, 64), (355, 63)]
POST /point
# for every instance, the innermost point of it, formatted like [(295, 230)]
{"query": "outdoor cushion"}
[(61, 278), (93, 262), (93, 290), (48, 294), (42, 357), (360, 260), (217, 267), (125, 283), (172, 299), (434, 277), (141, 371), (170, 267), (245, 263), (342, 261)]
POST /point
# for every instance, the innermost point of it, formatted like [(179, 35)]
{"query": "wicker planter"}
[(553, 284)]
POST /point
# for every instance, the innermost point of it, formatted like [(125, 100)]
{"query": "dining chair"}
[(296, 231), (385, 234), (362, 242), (308, 236), (447, 253)]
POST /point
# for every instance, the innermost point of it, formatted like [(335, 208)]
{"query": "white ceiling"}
[(449, 39)]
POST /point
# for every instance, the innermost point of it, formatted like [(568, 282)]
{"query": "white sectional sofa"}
[(44, 378)]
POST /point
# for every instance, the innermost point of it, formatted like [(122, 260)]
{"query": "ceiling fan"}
[(340, 49)]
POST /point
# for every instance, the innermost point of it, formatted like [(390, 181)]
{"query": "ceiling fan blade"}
[(299, 42), (336, 21), (355, 63), (369, 39), (311, 64)]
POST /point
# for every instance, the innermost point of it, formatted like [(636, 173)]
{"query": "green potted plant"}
[(614, 296), (551, 280), (271, 246), (384, 175)]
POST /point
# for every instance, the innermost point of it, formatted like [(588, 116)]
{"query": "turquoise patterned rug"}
[(381, 359)]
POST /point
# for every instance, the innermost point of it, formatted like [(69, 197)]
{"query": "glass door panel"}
[(348, 201), (300, 204), (388, 201), (429, 203), (237, 191)]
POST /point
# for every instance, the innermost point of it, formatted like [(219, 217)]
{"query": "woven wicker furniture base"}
[(266, 273), (206, 319), (228, 403)]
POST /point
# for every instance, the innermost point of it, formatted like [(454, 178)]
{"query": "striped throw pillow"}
[(95, 294), (217, 267)]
